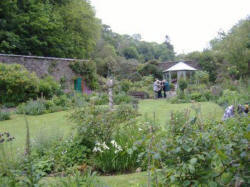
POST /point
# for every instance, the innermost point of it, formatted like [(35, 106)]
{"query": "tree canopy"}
[(59, 28)]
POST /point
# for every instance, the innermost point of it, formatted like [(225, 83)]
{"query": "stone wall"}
[(43, 66)]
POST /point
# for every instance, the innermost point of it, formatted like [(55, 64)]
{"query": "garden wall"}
[(43, 66)]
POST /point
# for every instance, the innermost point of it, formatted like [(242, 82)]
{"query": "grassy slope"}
[(57, 123)]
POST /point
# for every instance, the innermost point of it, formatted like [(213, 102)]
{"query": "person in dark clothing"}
[(159, 89), (165, 88)]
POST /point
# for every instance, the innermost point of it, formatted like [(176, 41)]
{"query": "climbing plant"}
[(87, 69)]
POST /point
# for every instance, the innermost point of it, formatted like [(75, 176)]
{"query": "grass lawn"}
[(42, 125), (135, 179), (163, 109), (55, 123)]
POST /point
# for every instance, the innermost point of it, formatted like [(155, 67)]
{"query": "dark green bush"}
[(17, 84), (196, 96), (150, 69)]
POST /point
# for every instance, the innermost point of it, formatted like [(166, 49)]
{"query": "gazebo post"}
[(169, 76)]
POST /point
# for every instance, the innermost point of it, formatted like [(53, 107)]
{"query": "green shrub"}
[(4, 115), (17, 84), (201, 77), (42, 106), (125, 85), (182, 84), (122, 98), (99, 124), (231, 98), (100, 99), (196, 96), (49, 87), (145, 85), (194, 153), (62, 101), (32, 107), (172, 86), (150, 69)]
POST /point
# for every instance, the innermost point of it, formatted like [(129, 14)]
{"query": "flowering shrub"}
[(110, 134)]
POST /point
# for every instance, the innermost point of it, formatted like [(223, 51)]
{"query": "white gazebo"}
[(181, 69)]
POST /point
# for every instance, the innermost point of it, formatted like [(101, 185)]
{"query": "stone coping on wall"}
[(42, 58)]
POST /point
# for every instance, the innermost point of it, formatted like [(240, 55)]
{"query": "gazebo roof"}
[(181, 66)]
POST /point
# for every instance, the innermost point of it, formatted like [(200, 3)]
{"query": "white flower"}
[(97, 143), (113, 142), (97, 149), (105, 146), (139, 129)]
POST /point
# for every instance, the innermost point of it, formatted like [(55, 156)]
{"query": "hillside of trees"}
[(69, 28), (228, 55)]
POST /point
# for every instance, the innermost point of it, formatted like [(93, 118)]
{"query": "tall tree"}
[(60, 28)]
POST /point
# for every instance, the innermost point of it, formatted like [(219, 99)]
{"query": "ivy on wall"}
[(86, 69)]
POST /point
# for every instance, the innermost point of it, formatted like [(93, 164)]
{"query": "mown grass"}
[(163, 109), (54, 123), (134, 179)]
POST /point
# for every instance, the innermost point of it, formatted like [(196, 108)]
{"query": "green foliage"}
[(98, 123), (182, 84), (48, 87), (19, 85), (196, 96), (145, 85), (87, 69), (201, 77), (150, 69), (101, 129), (32, 107), (234, 46), (4, 115), (48, 29), (125, 85), (196, 153), (130, 52), (42, 106), (122, 98), (233, 98), (132, 47)]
